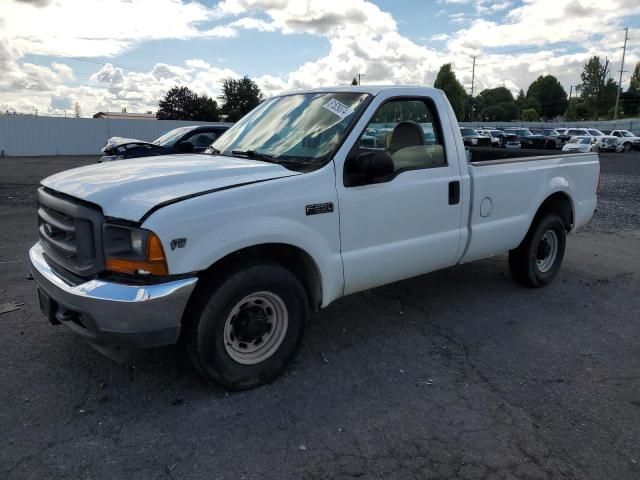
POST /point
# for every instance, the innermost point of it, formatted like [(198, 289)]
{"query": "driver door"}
[(411, 222)]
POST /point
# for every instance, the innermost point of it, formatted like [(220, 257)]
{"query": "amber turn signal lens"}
[(154, 264), (155, 252)]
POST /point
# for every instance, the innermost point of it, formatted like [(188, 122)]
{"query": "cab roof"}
[(370, 89)]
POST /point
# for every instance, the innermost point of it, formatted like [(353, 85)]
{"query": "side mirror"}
[(368, 167), (184, 147)]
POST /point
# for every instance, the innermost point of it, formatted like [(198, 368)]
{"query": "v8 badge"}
[(178, 243)]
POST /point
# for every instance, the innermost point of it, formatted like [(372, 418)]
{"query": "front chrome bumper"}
[(114, 314)]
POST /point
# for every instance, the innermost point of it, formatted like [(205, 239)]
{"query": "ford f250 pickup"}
[(228, 252)]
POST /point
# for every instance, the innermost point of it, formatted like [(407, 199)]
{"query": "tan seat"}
[(421, 156), (405, 134)]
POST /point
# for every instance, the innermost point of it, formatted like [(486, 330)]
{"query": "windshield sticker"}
[(339, 108)]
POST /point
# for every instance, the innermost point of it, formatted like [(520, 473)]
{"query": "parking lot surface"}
[(459, 374)]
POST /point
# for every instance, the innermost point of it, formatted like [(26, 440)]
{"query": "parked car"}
[(609, 143), (603, 143), (567, 133), (501, 139), (472, 138), (582, 144), (229, 255), (627, 139), (192, 139), (527, 139), (552, 137)]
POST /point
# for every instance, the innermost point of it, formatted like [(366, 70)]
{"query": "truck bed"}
[(506, 192), (493, 156)]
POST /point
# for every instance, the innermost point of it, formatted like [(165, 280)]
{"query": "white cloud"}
[(65, 27), (362, 38)]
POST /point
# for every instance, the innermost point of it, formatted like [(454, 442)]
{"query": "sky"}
[(107, 55)]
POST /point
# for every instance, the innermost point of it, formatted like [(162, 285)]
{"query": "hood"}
[(115, 142), (128, 190)]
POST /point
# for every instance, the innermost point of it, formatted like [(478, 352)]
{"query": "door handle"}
[(454, 192)]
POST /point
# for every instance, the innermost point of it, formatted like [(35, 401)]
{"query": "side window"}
[(202, 139), (409, 131), (617, 134)]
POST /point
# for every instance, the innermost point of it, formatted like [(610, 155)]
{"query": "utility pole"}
[(570, 91), (624, 50), (473, 79), (359, 75), (473, 74)]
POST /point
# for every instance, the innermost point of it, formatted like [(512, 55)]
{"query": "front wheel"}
[(627, 146), (245, 328), (536, 261)]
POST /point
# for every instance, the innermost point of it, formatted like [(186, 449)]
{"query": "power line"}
[(70, 84), (567, 52), (46, 53), (541, 47)]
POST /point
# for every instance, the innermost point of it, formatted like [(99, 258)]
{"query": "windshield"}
[(551, 132), (171, 137), (468, 132), (595, 133), (301, 129), (523, 133), (626, 133)]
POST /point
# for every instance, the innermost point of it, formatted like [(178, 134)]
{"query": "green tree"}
[(354, 81), (531, 103), (207, 109), (519, 102), (239, 97), (551, 97), (447, 82), (530, 115), (634, 84), (497, 104), (181, 103), (608, 97), (493, 96), (593, 85)]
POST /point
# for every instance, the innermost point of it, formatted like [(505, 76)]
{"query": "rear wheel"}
[(245, 328), (538, 258), (627, 146)]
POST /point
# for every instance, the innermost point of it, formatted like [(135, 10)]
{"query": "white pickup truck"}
[(311, 196)]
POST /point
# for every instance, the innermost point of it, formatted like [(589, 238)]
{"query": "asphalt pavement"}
[(459, 374)]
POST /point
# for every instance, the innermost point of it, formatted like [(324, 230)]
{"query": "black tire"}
[(627, 146), (211, 308), (524, 260)]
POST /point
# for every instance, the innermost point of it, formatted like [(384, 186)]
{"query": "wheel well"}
[(292, 258), (560, 204)]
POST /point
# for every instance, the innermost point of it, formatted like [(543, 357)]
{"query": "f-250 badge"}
[(318, 208)]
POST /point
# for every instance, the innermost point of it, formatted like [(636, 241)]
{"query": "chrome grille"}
[(69, 231), (58, 230)]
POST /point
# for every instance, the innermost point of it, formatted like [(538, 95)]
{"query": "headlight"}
[(110, 158), (133, 250), (474, 141)]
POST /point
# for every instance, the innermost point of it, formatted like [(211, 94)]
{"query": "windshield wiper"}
[(254, 154)]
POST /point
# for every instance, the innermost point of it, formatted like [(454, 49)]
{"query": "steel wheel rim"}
[(243, 340), (550, 238)]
